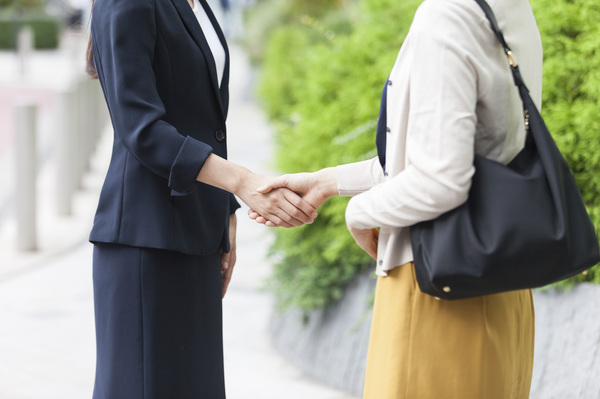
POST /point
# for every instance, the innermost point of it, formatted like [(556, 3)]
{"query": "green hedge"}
[(46, 30), (22, 4), (268, 15), (321, 88), (570, 32)]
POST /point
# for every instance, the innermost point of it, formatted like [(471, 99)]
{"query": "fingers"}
[(252, 214), (227, 265), (293, 209), (301, 204), (276, 182), (284, 208)]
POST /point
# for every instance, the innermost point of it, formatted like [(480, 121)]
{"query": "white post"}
[(94, 118), (84, 125), (66, 173), (78, 142), (26, 177), (101, 109), (93, 113), (24, 49)]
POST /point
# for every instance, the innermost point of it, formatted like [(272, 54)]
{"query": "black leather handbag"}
[(524, 224)]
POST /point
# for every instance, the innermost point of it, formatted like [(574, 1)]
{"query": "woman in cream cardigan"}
[(449, 95)]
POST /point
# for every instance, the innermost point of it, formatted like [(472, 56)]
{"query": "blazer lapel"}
[(191, 23)]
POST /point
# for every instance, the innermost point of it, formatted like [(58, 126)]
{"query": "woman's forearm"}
[(282, 207), (223, 174)]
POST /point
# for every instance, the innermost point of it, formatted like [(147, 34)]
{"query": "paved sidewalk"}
[(46, 309)]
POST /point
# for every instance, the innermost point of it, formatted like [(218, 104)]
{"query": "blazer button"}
[(220, 135)]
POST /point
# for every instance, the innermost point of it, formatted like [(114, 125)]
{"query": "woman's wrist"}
[(223, 174), (326, 181)]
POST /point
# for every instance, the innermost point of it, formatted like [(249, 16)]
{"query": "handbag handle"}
[(519, 82)]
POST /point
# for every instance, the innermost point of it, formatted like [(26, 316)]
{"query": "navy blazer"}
[(160, 83)]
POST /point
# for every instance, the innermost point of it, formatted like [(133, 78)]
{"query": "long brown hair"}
[(90, 68)]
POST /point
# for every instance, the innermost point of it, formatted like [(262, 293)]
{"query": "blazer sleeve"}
[(234, 205), (123, 37)]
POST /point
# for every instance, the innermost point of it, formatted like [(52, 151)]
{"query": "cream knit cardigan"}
[(451, 94)]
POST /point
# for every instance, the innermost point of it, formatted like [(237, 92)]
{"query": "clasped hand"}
[(315, 188), (277, 205), (305, 185)]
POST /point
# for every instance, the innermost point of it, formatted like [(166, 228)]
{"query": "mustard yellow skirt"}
[(424, 348)]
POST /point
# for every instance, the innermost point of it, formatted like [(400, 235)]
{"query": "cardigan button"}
[(380, 262), (389, 82), (220, 135)]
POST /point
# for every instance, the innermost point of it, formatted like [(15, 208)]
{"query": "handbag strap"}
[(519, 82)]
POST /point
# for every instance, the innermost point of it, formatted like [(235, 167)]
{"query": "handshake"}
[(291, 200), (286, 201)]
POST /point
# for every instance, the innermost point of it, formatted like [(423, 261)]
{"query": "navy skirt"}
[(158, 324)]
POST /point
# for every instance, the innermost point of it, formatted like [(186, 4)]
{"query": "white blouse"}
[(216, 47), (451, 95)]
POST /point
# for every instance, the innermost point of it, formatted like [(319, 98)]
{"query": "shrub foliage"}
[(321, 83), (571, 93), (46, 29)]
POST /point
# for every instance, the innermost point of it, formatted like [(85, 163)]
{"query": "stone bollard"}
[(24, 49), (97, 120), (67, 176), (26, 170), (83, 128), (94, 117)]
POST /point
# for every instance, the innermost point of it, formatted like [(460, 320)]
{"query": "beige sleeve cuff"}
[(358, 177)]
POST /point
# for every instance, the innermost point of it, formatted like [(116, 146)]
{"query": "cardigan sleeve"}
[(358, 177), (440, 127), (124, 35)]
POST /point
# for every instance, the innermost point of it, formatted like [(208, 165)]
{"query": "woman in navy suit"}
[(164, 231)]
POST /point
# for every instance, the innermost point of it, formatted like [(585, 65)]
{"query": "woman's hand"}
[(282, 207), (367, 239), (228, 259), (315, 188)]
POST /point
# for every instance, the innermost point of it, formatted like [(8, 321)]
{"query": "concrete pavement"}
[(46, 310)]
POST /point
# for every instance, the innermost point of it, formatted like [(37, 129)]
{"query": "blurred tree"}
[(321, 85), (571, 95), (22, 4)]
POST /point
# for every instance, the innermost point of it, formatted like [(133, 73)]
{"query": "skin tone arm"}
[(316, 188), (282, 207)]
